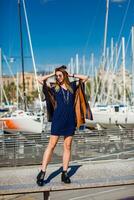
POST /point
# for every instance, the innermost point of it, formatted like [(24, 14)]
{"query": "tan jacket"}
[(82, 108)]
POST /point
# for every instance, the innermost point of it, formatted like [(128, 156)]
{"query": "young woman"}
[(63, 120)]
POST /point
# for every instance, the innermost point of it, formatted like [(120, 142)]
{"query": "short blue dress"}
[(63, 121)]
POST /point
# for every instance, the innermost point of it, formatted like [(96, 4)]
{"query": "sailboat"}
[(114, 115), (118, 115), (22, 120)]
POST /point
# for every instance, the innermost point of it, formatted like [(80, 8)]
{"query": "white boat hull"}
[(111, 119), (21, 124)]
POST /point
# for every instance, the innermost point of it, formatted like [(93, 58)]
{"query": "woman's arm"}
[(82, 77), (43, 78)]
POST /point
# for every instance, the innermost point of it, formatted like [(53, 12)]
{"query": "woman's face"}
[(59, 76)]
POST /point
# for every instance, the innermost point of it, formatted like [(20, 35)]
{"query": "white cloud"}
[(118, 1)]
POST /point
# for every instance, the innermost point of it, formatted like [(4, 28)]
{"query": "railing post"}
[(46, 195)]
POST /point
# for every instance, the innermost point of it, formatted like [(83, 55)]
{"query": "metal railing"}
[(27, 149)]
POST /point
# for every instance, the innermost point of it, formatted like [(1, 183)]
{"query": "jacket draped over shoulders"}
[(50, 100), (82, 108)]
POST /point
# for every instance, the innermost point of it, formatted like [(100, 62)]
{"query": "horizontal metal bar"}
[(25, 149)]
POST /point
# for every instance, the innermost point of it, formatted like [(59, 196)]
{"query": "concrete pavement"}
[(90, 174)]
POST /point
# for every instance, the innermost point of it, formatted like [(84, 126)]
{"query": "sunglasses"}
[(60, 75)]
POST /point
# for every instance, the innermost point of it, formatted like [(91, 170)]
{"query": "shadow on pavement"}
[(71, 172)]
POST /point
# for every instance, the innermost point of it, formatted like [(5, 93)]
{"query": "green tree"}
[(10, 91)]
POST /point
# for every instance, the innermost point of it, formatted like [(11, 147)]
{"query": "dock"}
[(84, 175)]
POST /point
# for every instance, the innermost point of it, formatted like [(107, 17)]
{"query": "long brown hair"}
[(66, 79)]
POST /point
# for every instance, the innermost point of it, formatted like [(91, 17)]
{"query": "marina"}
[(109, 89), (41, 36)]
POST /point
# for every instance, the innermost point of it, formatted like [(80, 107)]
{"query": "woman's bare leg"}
[(49, 150), (67, 151)]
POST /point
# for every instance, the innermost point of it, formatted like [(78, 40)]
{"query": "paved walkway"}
[(17, 180)]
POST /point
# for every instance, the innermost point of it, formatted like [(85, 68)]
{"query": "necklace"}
[(66, 97)]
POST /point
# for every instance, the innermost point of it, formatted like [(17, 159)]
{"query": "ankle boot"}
[(40, 178), (65, 178)]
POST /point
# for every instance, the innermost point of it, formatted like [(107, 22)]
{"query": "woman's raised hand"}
[(53, 73), (70, 75), (40, 79)]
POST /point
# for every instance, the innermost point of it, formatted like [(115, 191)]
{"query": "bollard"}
[(46, 195)]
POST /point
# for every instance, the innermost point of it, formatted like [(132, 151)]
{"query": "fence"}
[(27, 149)]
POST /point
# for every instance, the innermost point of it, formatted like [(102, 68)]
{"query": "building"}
[(30, 82)]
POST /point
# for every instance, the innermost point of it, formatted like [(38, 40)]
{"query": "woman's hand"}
[(70, 75), (40, 80), (53, 73), (82, 77)]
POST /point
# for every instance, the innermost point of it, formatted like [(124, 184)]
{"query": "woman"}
[(63, 120)]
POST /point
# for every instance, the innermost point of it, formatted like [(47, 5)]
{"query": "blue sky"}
[(62, 28)]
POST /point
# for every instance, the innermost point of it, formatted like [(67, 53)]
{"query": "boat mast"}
[(92, 79), (123, 68), (72, 65), (17, 91), (133, 65), (77, 63), (92, 64), (84, 64), (107, 58), (22, 54), (105, 34), (32, 54), (112, 54)]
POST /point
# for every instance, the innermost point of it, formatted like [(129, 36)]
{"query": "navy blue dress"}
[(63, 121)]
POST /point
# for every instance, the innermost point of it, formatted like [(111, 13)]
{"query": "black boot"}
[(65, 178), (40, 178)]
